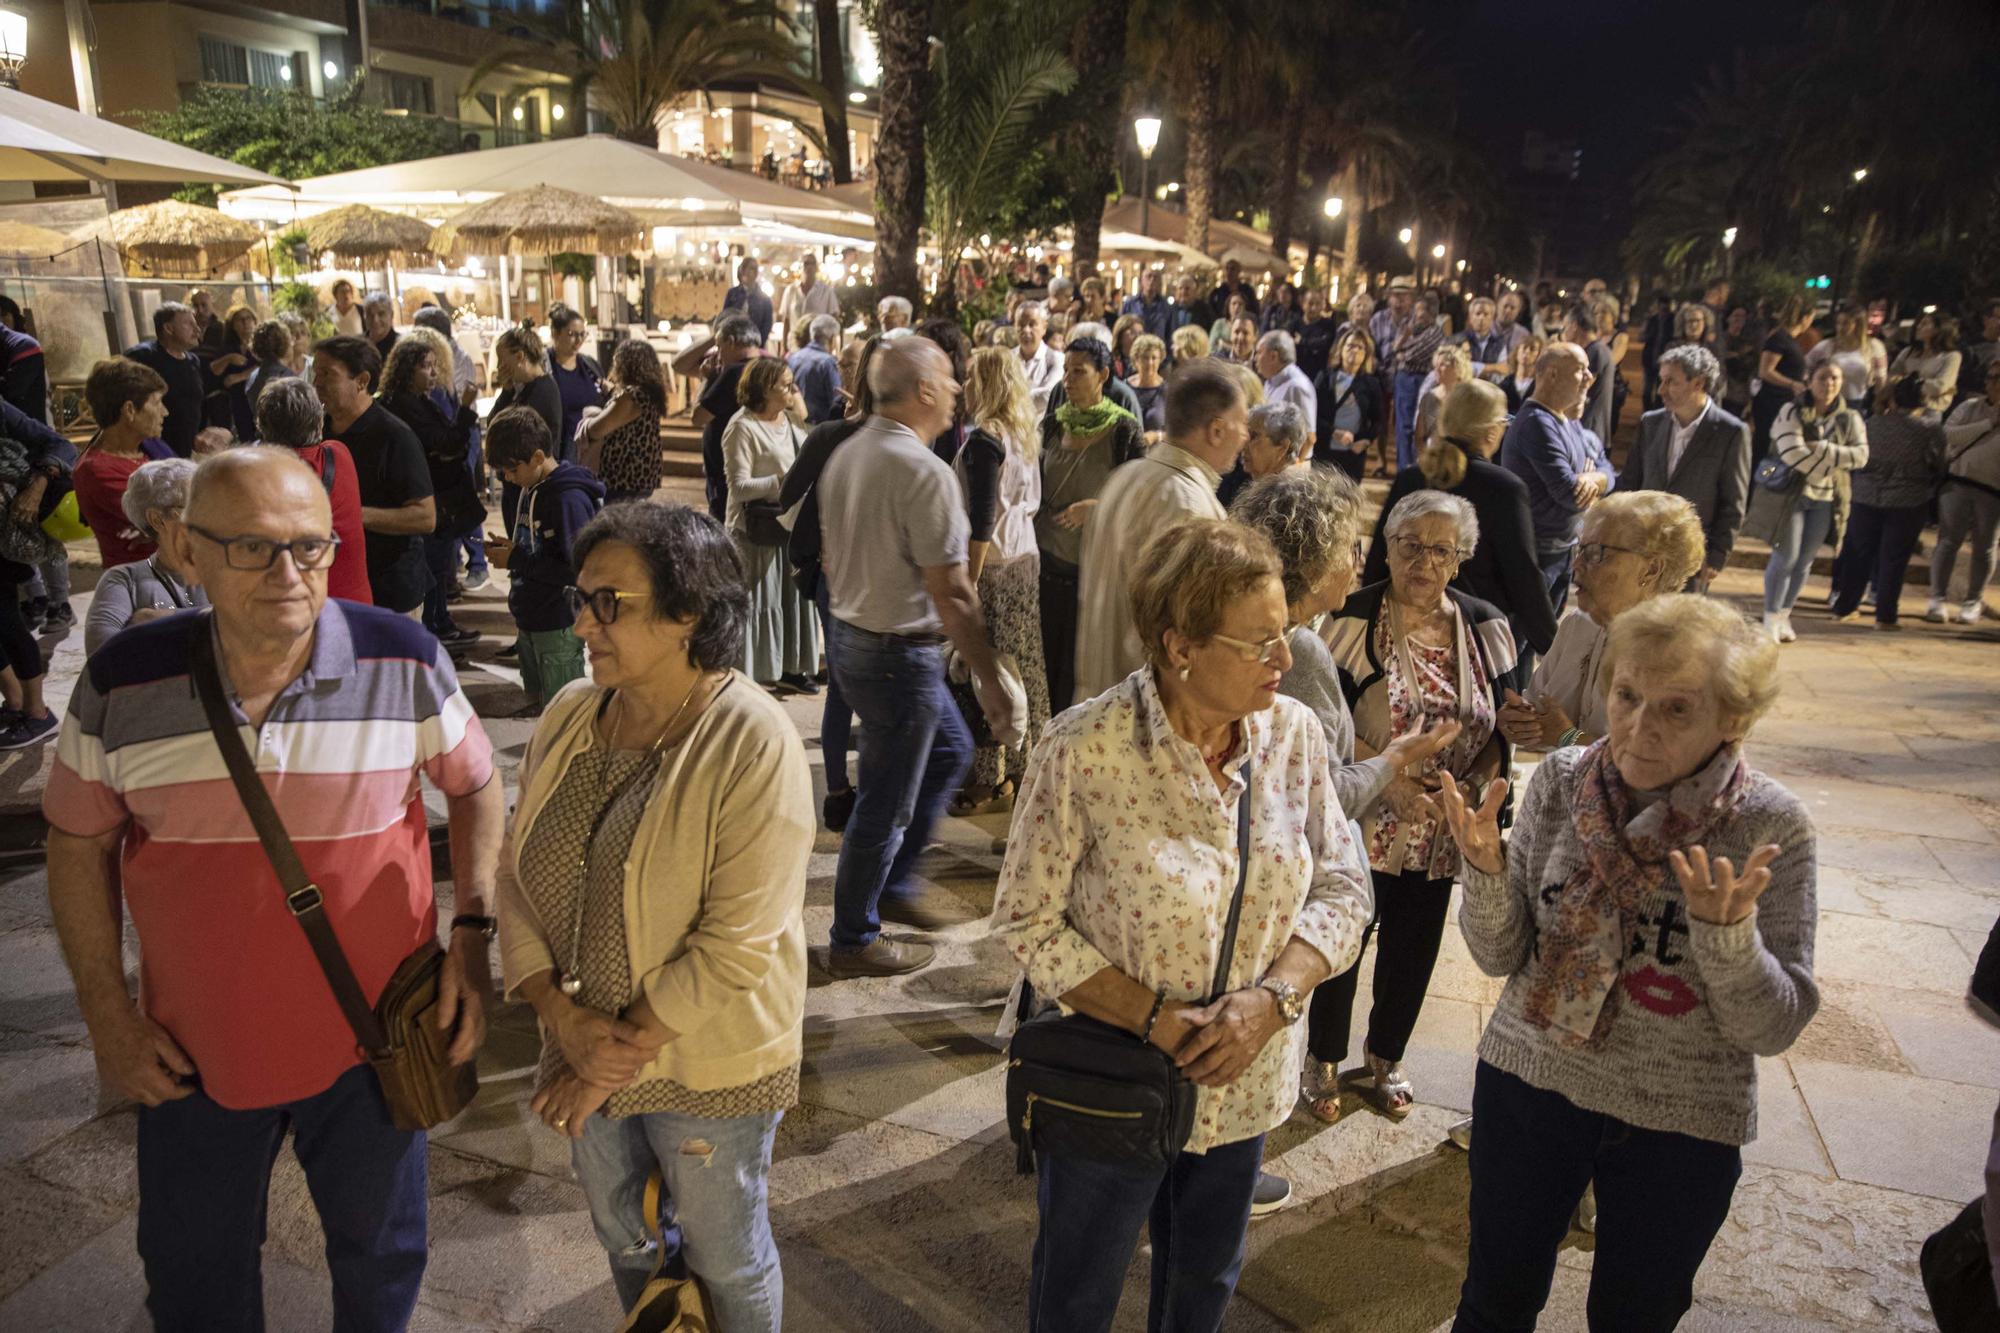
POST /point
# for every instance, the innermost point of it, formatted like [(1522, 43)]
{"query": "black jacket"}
[(544, 535), (802, 483), (1366, 391), (1502, 570)]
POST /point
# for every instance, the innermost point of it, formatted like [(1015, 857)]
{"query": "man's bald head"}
[(911, 382), (234, 488)]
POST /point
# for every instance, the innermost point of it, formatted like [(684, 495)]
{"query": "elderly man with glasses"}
[(236, 1036)]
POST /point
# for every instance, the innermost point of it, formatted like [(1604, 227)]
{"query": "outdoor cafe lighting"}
[(857, 96), (1146, 129), (556, 111), (520, 114), (285, 72), (1404, 235), (1930, 310), (1437, 251), (329, 69), (13, 46), (1333, 206), (1461, 266)]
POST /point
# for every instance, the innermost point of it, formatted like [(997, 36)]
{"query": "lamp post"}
[(1847, 206), (1728, 250), (1146, 129), (13, 46)]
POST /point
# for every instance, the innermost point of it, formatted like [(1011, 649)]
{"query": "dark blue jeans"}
[(1196, 1210), (836, 719), (1407, 384), (915, 749), (1556, 569), (1661, 1197), (204, 1182), (1877, 549), (441, 555)]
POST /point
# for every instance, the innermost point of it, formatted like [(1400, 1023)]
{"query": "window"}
[(407, 92), (229, 62)]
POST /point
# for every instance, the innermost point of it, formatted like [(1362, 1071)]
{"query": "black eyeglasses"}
[(603, 602), (255, 554)]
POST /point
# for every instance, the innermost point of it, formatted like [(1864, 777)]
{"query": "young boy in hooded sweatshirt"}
[(557, 499)]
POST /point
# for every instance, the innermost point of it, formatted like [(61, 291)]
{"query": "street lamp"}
[(1334, 205), (1860, 175), (1437, 251), (1146, 129), (13, 46), (1728, 250), (1404, 235)]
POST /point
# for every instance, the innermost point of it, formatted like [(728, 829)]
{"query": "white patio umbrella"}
[(41, 141)]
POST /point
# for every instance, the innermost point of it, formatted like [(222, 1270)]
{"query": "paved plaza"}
[(894, 1194)]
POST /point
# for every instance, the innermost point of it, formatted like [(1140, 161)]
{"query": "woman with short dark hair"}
[(759, 446), (651, 901), (271, 347), (417, 363), (128, 401), (1891, 503), (578, 381)]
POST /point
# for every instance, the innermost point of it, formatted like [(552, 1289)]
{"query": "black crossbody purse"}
[(1084, 1088)]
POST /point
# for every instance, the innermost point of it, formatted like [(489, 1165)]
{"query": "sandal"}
[(1384, 1086), (996, 800), (1322, 1091)]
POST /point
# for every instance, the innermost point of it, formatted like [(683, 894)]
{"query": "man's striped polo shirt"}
[(225, 967)]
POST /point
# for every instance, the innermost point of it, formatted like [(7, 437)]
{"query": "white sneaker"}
[(1969, 613), (1786, 634), (1935, 611), (1772, 627)]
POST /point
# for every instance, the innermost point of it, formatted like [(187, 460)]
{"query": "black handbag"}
[(760, 523), (1085, 1088)]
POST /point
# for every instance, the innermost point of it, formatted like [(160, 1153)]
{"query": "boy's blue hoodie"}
[(550, 514)]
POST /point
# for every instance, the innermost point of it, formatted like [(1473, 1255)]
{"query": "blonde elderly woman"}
[(1313, 517), (1451, 367), (155, 585), (1190, 343), (1114, 893), (1653, 913), (1633, 546), (1413, 653), (651, 902), (1277, 441)]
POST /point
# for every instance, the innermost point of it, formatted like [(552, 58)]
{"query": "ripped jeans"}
[(717, 1173)]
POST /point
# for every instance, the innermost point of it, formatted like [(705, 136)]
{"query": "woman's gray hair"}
[(1423, 504), (1311, 514), (823, 330), (374, 299), (1281, 423), (289, 413), (160, 484), (898, 304), (1696, 362), (1090, 328), (736, 330)]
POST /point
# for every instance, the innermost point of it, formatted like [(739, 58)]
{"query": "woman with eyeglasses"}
[(651, 895), (1413, 653), (1632, 547)]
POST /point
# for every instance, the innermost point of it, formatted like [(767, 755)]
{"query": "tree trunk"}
[(1350, 246), (1285, 181), (1204, 91), (904, 30), (1097, 50), (833, 78)]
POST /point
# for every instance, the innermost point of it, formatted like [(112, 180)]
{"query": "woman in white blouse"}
[(1934, 356), (1822, 440), (1631, 547), (759, 446), (1114, 894)]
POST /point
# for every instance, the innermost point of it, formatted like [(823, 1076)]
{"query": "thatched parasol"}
[(24, 240), (173, 234), (540, 220), (359, 235)]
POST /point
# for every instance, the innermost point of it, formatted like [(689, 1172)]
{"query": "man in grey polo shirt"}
[(893, 538)]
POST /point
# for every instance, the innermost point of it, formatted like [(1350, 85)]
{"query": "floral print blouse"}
[(1123, 854), (1427, 847)]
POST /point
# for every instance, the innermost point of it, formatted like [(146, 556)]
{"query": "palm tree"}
[(1097, 52), (903, 34), (994, 76), (1204, 50), (639, 57)]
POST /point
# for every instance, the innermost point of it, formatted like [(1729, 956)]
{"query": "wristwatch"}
[(485, 925), (1291, 1001)]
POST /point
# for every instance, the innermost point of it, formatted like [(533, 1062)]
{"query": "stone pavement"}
[(893, 1193)]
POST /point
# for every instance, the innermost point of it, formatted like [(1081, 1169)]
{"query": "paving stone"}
[(1846, 1031), (40, 1224), (1876, 852), (1786, 1135), (1973, 864), (1937, 902), (1906, 955), (46, 1090), (1840, 801), (1919, 1135), (1940, 1037)]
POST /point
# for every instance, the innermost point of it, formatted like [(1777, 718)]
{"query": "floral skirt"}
[(1010, 596)]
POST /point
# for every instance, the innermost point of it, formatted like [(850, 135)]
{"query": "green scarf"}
[(1089, 420)]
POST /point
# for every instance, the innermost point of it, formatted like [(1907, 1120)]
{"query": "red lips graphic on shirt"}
[(1660, 992)]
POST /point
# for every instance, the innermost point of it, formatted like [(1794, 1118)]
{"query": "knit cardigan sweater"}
[(1695, 1003), (715, 884)]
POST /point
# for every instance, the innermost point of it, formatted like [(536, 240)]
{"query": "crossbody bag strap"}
[(302, 896), (1242, 880)]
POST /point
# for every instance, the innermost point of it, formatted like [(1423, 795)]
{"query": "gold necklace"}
[(567, 979)]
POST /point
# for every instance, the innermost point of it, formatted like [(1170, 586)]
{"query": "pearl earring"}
[(1184, 673)]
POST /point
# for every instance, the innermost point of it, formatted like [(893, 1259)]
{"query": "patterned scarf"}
[(1576, 968), (1080, 421)]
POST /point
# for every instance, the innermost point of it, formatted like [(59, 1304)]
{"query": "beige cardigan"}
[(714, 886)]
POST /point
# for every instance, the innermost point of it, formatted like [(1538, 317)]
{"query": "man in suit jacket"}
[(1694, 449)]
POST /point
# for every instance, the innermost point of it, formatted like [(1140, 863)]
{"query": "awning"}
[(42, 141), (663, 189)]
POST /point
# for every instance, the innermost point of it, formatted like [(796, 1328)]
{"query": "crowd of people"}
[(1113, 577)]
